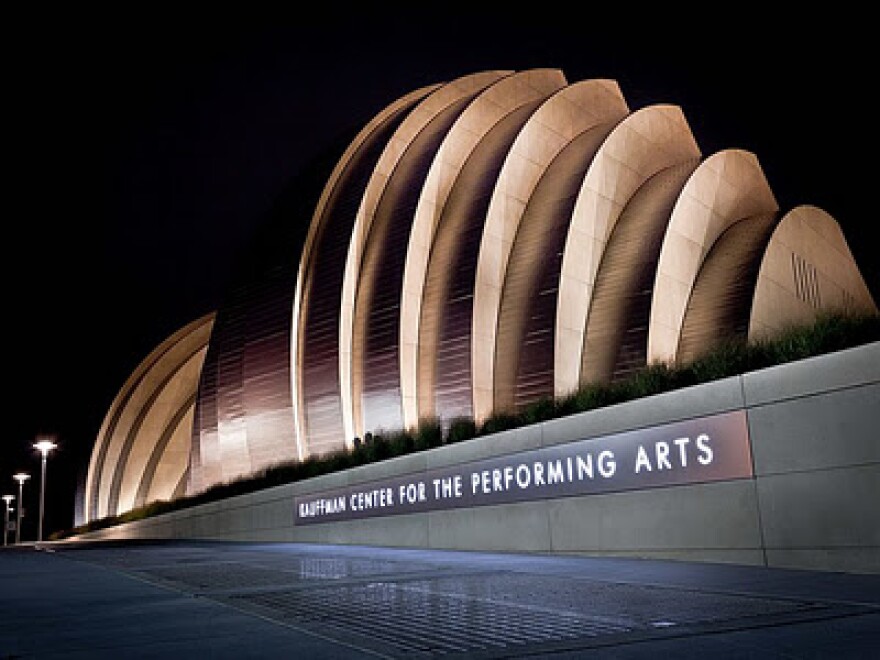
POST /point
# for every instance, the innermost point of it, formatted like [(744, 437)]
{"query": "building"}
[(479, 245)]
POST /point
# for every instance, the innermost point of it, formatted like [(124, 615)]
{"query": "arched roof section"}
[(444, 362), (806, 269), (616, 337), (481, 116), (558, 143), (440, 100), (153, 431), (169, 460), (123, 427), (721, 302), (111, 419), (376, 338), (315, 329), (726, 188), (645, 143), (567, 113)]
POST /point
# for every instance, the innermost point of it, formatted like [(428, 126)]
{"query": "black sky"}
[(143, 150)]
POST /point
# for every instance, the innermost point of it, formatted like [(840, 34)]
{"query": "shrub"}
[(498, 422), (461, 428), (539, 411), (429, 434), (399, 443)]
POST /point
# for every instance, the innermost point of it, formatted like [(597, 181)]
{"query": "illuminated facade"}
[(143, 448), (479, 245)]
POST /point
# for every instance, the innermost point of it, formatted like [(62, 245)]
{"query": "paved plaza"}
[(229, 600)]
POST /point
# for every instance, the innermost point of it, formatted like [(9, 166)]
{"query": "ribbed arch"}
[(571, 111), (444, 357), (807, 268), (444, 364), (315, 333), (524, 343), (169, 373), (180, 489), (481, 117), (157, 419), (375, 354), (645, 143), (726, 188), (442, 99), (616, 337), (721, 302), (169, 458), (111, 420)]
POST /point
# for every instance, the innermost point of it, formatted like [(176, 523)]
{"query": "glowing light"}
[(45, 446)]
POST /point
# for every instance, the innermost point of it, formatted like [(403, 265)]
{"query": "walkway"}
[(224, 600)]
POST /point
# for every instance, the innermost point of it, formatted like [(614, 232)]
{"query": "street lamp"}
[(44, 447), (20, 477), (7, 499)]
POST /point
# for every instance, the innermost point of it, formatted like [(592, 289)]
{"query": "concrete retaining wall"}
[(814, 501)]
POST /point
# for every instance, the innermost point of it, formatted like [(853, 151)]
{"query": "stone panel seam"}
[(811, 395), (758, 513), (640, 427), (830, 468), (859, 546)]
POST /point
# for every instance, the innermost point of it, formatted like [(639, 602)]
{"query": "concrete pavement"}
[(233, 600)]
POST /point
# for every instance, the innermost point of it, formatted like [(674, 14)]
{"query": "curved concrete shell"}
[(525, 229), (807, 268), (479, 142), (726, 188), (142, 451), (376, 254), (720, 304), (569, 112), (459, 147), (616, 336), (315, 335), (645, 143)]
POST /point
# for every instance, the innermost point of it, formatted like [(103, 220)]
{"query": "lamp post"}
[(44, 447), (7, 499), (20, 477)]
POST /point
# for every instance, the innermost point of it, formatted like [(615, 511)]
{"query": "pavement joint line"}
[(684, 631), (121, 644), (707, 590), (721, 591), (292, 626), (222, 603), (318, 583), (453, 627), (462, 637), (526, 607), (396, 638)]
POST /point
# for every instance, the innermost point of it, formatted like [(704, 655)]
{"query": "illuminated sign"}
[(699, 450)]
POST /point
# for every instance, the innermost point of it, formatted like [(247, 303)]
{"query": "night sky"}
[(143, 151)]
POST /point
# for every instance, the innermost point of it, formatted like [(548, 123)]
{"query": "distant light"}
[(45, 446), (20, 477), (8, 499)]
